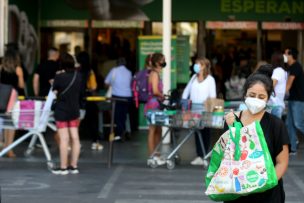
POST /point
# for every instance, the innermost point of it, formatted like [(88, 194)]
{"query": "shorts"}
[(151, 105), (68, 124)]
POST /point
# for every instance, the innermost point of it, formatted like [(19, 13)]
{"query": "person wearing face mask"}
[(295, 88), (155, 89), (257, 91), (199, 88)]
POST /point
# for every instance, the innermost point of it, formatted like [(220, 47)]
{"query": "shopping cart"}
[(33, 116), (192, 121)]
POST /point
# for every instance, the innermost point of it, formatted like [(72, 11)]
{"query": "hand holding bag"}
[(240, 164)]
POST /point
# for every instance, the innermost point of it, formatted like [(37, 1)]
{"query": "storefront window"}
[(69, 41)]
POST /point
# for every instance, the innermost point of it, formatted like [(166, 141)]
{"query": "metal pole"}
[(3, 25), (300, 46), (90, 45), (112, 135), (259, 43), (167, 43), (201, 42), (167, 49)]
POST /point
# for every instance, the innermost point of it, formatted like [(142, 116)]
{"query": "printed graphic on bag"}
[(245, 167), (26, 114)]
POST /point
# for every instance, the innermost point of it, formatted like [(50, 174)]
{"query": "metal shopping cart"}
[(33, 116), (192, 121)]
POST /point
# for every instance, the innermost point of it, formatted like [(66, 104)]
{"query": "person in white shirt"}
[(279, 78), (119, 78), (277, 72), (199, 88)]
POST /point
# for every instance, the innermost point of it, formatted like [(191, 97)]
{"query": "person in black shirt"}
[(295, 87), (67, 87), (257, 90), (44, 76), (45, 73), (90, 108), (11, 73)]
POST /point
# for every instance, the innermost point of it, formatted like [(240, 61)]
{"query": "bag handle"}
[(70, 85), (236, 140), (191, 83)]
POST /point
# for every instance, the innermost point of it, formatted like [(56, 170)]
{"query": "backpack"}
[(140, 86)]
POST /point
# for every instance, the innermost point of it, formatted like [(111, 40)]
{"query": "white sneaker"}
[(160, 160), (198, 161), (99, 147), (96, 146), (60, 171)]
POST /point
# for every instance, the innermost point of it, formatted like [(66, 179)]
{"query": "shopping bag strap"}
[(236, 139)]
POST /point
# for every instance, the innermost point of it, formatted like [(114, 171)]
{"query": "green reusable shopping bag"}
[(240, 164)]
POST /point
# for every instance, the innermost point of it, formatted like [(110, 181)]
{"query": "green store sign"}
[(263, 7), (226, 10), (190, 10)]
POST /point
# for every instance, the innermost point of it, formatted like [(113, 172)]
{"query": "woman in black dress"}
[(257, 91), (11, 74)]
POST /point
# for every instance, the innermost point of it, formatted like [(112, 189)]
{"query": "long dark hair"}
[(10, 61), (67, 61), (265, 69), (156, 57), (277, 60), (83, 59), (256, 78)]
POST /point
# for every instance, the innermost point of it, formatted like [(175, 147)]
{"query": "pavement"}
[(129, 180)]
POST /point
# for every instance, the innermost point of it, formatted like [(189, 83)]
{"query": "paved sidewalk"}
[(129, 180)]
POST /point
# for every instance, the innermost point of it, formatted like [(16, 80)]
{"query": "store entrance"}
[(110, 44)]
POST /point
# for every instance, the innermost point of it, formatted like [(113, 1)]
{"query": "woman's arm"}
[(19, 73), (36, 84), (274, 82), (186, 91), (289, 82), (108, 81), (282, 162)]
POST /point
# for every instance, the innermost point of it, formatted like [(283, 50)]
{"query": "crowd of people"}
[(69, 81)]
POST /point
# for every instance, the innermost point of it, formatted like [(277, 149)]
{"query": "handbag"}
[(91, 82), (26, 114), (54, 103), (240, 164), (8, 97), (5, 92), (211, 103)]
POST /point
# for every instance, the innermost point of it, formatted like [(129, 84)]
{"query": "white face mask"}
[(255, 105), (285, 58)]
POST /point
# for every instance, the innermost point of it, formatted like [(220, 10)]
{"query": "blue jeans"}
[(295, 121), (277, 111)]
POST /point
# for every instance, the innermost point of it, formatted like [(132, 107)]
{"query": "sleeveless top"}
[(10, 79), (153, 103)]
